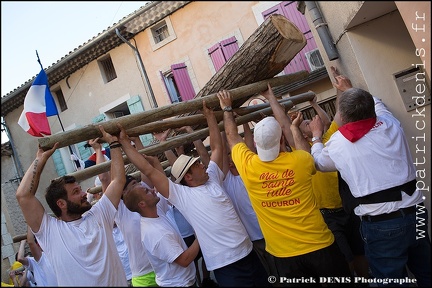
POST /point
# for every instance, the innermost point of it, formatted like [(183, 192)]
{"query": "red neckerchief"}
[(355, 130)]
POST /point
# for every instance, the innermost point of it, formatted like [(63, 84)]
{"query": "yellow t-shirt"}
[(325, 184), (281, 195)]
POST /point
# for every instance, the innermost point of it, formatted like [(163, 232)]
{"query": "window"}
[(118, 114), (62, 157), (124, 106), (161, 33), (178, 84), (107, 69), (221, 52), (120, 110), (171, 87), (61, 100)]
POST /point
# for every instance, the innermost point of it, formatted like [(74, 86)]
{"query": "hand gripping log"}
[(187, 138), (92, 131)]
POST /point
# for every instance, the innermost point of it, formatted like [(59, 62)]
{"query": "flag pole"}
[(58, 114)]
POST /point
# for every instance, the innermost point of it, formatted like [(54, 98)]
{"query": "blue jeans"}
[(392, 245)]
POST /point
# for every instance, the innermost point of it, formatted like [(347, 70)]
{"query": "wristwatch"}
[(227, 109), (315, 139)]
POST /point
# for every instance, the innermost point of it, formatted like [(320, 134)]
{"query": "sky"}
[(53, 29)]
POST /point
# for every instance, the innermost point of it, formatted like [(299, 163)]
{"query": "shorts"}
[(146, 280)]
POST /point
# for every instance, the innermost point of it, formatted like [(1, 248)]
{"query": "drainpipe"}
[(141, 66), (322, 29), (67, 81)]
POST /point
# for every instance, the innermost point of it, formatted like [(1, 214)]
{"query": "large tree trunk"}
[(92, 131), (263, 55)]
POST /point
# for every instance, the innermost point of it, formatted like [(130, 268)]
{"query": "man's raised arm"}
[(215, 136), (280, 115), (31, 207), (231, 132), (158, 178), (117, 172)]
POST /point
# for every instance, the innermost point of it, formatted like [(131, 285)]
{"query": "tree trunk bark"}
[(92, 131), (185, 138), (199, 119), (262, 56)]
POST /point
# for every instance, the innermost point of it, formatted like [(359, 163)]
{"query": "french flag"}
[(38, 105)]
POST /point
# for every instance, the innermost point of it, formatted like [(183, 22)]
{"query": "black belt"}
[(392, 215), (329, 211)]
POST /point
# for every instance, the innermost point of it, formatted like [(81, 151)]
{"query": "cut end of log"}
[(293, 41), (287, 29)]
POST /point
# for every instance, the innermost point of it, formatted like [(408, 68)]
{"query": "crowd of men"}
[(296, 202)]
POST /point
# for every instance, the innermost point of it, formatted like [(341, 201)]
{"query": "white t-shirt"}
[(240, 198), (123, 251), (382, 157), (83, 252), (163, 244), (222, 236), (42, 271), (129, 223)]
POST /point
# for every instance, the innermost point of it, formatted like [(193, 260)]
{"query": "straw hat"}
[(181, 166)]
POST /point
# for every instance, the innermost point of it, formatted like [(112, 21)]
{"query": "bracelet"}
[(227, 109), (115, 145), (113, 142)]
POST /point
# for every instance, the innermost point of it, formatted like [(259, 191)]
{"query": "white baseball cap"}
[(267, 134)]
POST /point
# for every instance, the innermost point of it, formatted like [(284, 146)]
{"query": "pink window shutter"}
[(183, 81), (289, 10), (297, 64), (274, 10), (229, 47), (221, 52), (217, 56)]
